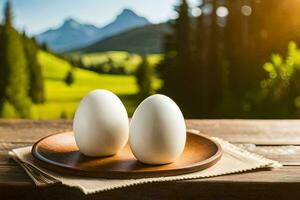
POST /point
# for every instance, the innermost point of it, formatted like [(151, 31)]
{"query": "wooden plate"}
[(59, 153)]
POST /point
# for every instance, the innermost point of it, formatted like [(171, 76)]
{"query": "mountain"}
[(142, 40), (72, 34), (124, 21)]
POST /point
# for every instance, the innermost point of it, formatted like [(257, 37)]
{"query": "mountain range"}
[(74, 35), (142, 40)]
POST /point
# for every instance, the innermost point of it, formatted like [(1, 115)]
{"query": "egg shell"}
[(101, 125), (157, 131)]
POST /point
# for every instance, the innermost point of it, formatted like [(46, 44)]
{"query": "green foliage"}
[(212, 65), (69, 79), (8, 19), (14, 73), (144, 76), (282, 86), (36, 91), (3, 71), (281, 71), (63, 115), (177, 69), (112, 62), (45, 47)]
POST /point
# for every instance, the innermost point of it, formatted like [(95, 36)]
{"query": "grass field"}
[(62, 100)]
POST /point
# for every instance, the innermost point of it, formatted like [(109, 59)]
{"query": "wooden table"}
[(275, 139)]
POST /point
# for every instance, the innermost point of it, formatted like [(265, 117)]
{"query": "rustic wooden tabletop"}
[(275, 139)]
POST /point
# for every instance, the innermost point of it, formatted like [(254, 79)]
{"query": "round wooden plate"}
[(59, 152)]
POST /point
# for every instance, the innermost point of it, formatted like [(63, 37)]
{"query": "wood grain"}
[(260, 132), (257, 135), (59, 152), (171, 190)]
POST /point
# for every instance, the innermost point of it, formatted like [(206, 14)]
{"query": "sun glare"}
[(196, 12), (246, 10), (222, 11)]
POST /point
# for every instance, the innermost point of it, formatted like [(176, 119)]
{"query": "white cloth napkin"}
[(234, 160)]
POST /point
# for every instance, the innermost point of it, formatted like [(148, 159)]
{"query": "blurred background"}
[(215, 58)]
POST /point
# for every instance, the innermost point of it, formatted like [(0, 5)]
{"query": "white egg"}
[(157, 132), (100, 124)]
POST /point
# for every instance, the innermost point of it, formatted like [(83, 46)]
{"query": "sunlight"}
[(207, 9), (222, 11), (246, 10), (196, 12)]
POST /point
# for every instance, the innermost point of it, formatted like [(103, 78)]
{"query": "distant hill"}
[(147, 39), (72, 34)]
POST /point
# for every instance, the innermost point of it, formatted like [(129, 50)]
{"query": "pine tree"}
[(208, 62), (177, 67), (144, 76), (183, 47), (44, 46), (201, 53), (3, 72), (69, 79), (14, 80), (36, 91)]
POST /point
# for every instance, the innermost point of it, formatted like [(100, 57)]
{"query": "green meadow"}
[(62, 100)]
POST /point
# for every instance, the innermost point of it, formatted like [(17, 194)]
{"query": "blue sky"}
[(36, 16)]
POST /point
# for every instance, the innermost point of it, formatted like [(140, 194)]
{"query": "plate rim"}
[(197, 166)]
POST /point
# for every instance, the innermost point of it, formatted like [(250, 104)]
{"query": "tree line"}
[(218, 64), (106, 67), (21, 79)]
